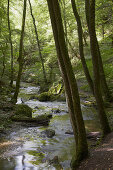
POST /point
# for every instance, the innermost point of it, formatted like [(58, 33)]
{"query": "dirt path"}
[(101, 158)]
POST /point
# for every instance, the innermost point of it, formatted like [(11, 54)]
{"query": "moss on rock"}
[(24, 110), (45, 96)]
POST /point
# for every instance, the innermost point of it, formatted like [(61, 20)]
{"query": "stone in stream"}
[(56, 111), (36, 107), (69, 132), (56, 163), (23, 110), (54, 160), (48, 133)]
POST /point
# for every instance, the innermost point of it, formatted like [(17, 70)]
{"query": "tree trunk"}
[(104, 85), (69, 82), (80, 35), (3, 63), (95, 59), (20, 59), (63, 6), (38, 43), (11, 45)]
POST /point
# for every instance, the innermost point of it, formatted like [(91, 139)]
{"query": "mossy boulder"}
[(48, 133), (23, 110), (45, 96)]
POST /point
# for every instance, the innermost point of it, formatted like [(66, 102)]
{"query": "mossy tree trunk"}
[(95, 59), (38, 43), (11, 45), (81, 49), (69, 82), (20, 58), (103, 82)]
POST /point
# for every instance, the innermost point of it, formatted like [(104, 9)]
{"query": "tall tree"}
[(20, 58), (38, 43), (95, 59), (11, 45), (69, 82), (103, 82), (80, 36)]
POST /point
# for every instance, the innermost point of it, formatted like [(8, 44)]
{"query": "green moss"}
[(22, 109), (38, 155), (44, 116), (44, 97)]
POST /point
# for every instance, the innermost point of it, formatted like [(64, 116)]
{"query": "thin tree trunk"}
[(3, 63), (85, 41), (69, 81), (80, 35), (103, 82), (63, 6), (11, 45), (20, 59), (95, 59), (75, 52), (38, 43)]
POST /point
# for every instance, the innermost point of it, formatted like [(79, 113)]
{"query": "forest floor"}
[(101, 157)]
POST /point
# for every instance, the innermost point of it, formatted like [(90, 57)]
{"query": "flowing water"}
[(26, 149)]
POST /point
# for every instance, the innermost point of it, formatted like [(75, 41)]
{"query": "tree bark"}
[(95, 59), (38, 43), (69, 82), (103, 82), (80, 36), (63, 6), (3, 63), (20, 58), (11, 45)]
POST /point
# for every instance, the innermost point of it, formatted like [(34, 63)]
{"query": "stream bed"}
[(24, 148)]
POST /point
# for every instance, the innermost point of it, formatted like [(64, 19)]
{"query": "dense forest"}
[(55, 53)]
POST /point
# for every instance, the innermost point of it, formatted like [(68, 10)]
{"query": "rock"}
[(49, 116), (54, 160), (36, 107), (69, 132), (23, 110), (48, 133), (34, 97), (56, 111), (45, 96), (41, 120), (93, 135)]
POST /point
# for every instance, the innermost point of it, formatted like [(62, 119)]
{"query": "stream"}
[(25, 148)]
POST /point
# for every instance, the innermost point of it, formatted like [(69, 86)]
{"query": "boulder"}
[(23, 110), (48, 133), (45, 96)]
